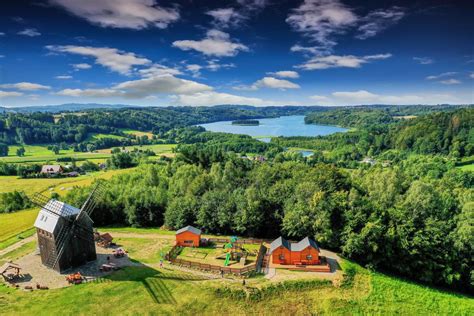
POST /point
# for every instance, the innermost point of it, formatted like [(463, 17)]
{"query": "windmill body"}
[(65, 236)]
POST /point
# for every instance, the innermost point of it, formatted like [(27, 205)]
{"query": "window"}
[(188, 241), (281, 257), (309, 257)]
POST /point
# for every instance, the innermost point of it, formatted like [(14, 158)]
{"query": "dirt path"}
[(17, 245)]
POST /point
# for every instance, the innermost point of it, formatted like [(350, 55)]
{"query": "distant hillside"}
[(65, 107)]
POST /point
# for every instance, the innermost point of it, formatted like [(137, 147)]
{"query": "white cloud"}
[(379, 20), (2, 34), (450, 81), (63, 77), (160, 84), (305, 49), (334, 61), (226, 17), (31, 32), (424, 60), (471, 76), (269, 82), (285, 74), (90, 93), (112, 58), (320, 20), (5, 94), (2, 56), (365, 97), (81, 66), (442, 75), (132, 14), (157, 70), (253, 4), (216, 43), (215, 98), (25, 86)]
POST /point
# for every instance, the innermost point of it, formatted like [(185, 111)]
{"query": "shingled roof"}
[(189, 228), (299, 246)]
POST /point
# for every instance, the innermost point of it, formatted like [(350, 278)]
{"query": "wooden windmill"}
[(65, 233)]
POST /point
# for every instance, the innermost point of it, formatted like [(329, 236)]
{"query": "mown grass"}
[(159, 149), (467, 167), (58, 185), (146, 250), (19, 252), (14, 224), (137, 133)]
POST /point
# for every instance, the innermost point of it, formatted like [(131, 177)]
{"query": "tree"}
[(20, 152), (54, 149), (3, 150)]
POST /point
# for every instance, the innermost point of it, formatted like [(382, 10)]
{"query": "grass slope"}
[(14, 224)]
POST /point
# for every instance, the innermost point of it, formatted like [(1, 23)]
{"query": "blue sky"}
[(256, 52)]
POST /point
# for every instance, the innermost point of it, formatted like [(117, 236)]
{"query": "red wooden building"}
[(188, 236), (304, 252)]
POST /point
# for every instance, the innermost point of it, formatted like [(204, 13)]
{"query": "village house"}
[(305, 252), (52, 170), (188, 236)]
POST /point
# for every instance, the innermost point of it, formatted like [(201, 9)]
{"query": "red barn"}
[(304, 252), (188, 236)]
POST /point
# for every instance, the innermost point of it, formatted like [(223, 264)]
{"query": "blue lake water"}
[(273, 127)]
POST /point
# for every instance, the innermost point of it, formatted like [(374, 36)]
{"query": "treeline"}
[(446, 133), (414, 218), (350, 117)]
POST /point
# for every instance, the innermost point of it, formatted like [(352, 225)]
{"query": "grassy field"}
[(137, 133), (215, 255), (41, 154), (467, 167), (58, 185), (13, 224)]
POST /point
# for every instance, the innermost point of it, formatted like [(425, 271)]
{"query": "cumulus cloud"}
[(112, 58), (5, 94), (216, 43), (25, 86), (379, 20), (269, 82), (160, 84), (285, 74), (335, 61), (131, 14), (63, 77), (31, 32), (81, 66), (424, 60), (320, 20), (157, 70), (215, 98), (305, 49), (450, 81), (442, 75)]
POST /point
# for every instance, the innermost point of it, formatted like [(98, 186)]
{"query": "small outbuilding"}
[(305, 252), (52, 170), (188, 236)]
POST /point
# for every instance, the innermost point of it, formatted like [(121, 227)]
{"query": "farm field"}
[(58, 185), (14, 224), (41, 154), (137, 133), (148, 289)]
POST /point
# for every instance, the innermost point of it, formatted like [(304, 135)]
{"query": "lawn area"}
[(467, 167), (146, 250), (58, 185), (95, 136), (159, 149), (13, 224), (137, 133), (21, 251), (215, 255), (146, 290)]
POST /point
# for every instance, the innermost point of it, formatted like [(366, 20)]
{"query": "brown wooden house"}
[(188, 236), (305, 252)]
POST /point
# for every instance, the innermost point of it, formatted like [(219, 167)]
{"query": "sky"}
[(253, 52)]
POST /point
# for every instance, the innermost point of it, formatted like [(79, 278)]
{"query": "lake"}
[(273, 127)]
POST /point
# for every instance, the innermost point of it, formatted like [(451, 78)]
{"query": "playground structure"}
[(233, 251)]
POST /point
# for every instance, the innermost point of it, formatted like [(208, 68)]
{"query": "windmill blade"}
[(92, 200), (42, 201), (62, 239)]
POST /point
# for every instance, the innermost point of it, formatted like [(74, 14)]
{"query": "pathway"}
[(17, 245)]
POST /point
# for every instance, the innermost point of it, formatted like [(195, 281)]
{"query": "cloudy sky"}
[(256, 52)]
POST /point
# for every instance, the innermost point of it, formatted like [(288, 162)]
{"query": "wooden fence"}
[(172, 254)]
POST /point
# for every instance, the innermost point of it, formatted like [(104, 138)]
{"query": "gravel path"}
[(17, 245)]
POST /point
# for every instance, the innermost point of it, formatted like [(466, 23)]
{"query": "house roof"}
[(303, 244), (51, 168), (279, 242), (189, 228), (7, 266), (47, 221), (298, 246)]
